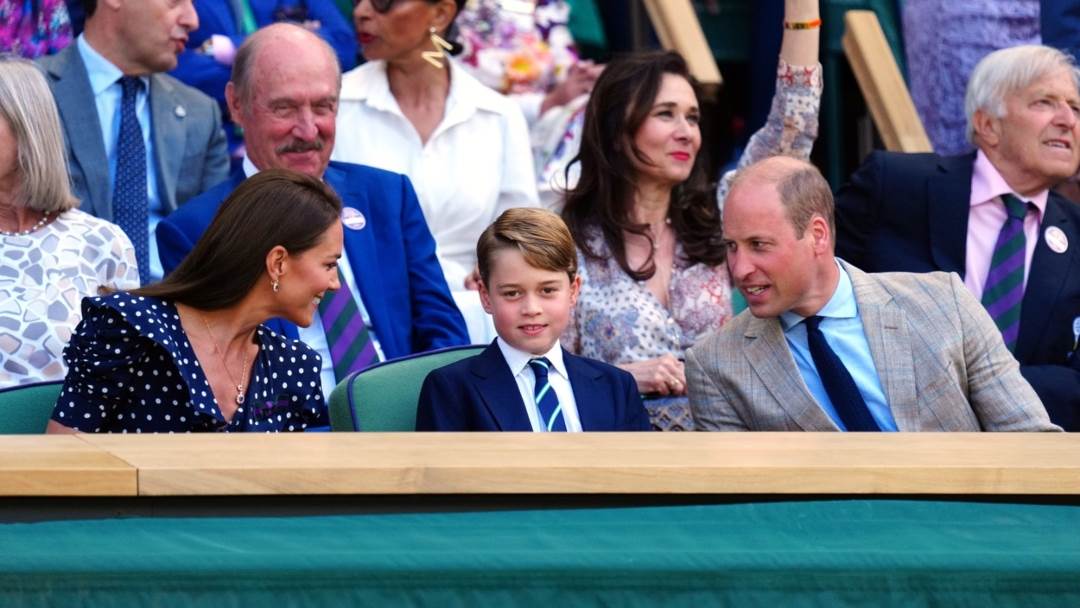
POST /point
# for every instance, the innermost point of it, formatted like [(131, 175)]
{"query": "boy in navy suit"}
[(525, 381)]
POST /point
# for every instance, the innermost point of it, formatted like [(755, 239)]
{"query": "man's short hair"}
[(89, 6), (540, 235), (1007, 70), (243, 63), (803, 191)]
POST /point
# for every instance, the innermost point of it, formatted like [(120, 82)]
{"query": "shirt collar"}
[(101, 71), (369, 83), (841, 305), (987, 185), (518, 360), (249, 167)]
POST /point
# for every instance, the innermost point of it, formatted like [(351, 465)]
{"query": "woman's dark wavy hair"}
[(620, 102), (273, 207)]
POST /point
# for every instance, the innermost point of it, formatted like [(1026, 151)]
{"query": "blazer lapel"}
[(75, 100), (167, 118), (1048, 276), (360, 251), (595, 408), (886, 329), (767, 351), (949, 197), (499, 390)]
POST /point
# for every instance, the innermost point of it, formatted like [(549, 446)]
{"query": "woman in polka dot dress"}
[(190, 353)]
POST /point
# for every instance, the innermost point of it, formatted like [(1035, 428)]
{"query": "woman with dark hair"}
[(413, 109), (646, 223), (190, 353)]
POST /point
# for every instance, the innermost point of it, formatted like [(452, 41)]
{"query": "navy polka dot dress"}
[(131, 369)]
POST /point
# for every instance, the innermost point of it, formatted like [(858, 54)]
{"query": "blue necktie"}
[(130, 201), (840, 386), (547, 402)]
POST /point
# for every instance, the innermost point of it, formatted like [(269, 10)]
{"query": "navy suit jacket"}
[(909, 212), (480, 394), (392, 257), (189, 143)]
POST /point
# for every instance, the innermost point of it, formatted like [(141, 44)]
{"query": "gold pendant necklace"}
[(217, 351)]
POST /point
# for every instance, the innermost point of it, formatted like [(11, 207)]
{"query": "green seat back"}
[(26, 409), (382, 398)]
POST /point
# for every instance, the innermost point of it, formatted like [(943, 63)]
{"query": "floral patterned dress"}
[(618, 320), (32, 28)]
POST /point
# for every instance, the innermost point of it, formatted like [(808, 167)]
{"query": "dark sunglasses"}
[(380, 6)]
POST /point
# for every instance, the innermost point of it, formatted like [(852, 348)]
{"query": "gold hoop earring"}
[(441, 46)]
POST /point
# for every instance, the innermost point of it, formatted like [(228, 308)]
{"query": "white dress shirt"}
[(526, 382)]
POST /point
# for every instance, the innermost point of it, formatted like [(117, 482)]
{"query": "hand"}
[(472, 282), (662, 376), (579, 81)]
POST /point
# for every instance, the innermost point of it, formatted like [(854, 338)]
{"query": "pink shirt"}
[(986, 218)]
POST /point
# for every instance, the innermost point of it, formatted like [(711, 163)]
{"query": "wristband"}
[(813, 24)]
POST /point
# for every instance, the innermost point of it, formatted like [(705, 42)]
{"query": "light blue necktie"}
[(547, 402), (130, 200)]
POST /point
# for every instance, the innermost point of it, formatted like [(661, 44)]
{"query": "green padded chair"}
[(26, 409), (382, 398)]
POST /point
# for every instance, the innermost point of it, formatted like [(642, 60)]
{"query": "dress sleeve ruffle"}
[(102, 357)]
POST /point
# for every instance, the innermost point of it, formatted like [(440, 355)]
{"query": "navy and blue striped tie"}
[(547, 402)]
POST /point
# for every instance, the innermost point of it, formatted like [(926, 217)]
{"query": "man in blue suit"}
[(178, 144), (525, 381), (284, 95), (206, 63), (923, 213)]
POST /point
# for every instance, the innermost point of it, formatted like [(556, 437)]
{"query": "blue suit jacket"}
[(392, 256), (909, 212), (189, 144), (204, 72), (480, 394)]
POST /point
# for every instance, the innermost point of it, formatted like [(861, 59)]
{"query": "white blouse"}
[(476, 164)]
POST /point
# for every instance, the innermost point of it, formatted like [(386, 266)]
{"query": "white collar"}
[(518, 360)]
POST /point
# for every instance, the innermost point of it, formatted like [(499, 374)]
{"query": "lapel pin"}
[(180, 111), (1056, 239), (353, 219)]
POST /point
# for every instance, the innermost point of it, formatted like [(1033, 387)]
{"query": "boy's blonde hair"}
[(541, 236)]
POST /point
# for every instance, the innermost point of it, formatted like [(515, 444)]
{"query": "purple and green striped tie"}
[(350, 344), (1004, 288)]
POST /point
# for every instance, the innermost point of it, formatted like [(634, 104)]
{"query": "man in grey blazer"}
[(827, 347), (183, 145)]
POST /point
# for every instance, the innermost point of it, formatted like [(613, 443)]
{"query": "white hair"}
[(1007, 70)]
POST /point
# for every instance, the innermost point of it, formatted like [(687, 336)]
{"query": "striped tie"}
[(1004, 289), (547, 402), (350, 344)]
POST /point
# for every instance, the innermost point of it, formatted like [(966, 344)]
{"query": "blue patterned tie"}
[(1004, 289), (130, 202), (547, 402), (839, 385)]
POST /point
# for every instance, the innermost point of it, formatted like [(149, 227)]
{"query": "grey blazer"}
[(941, 361), (189, 144)]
